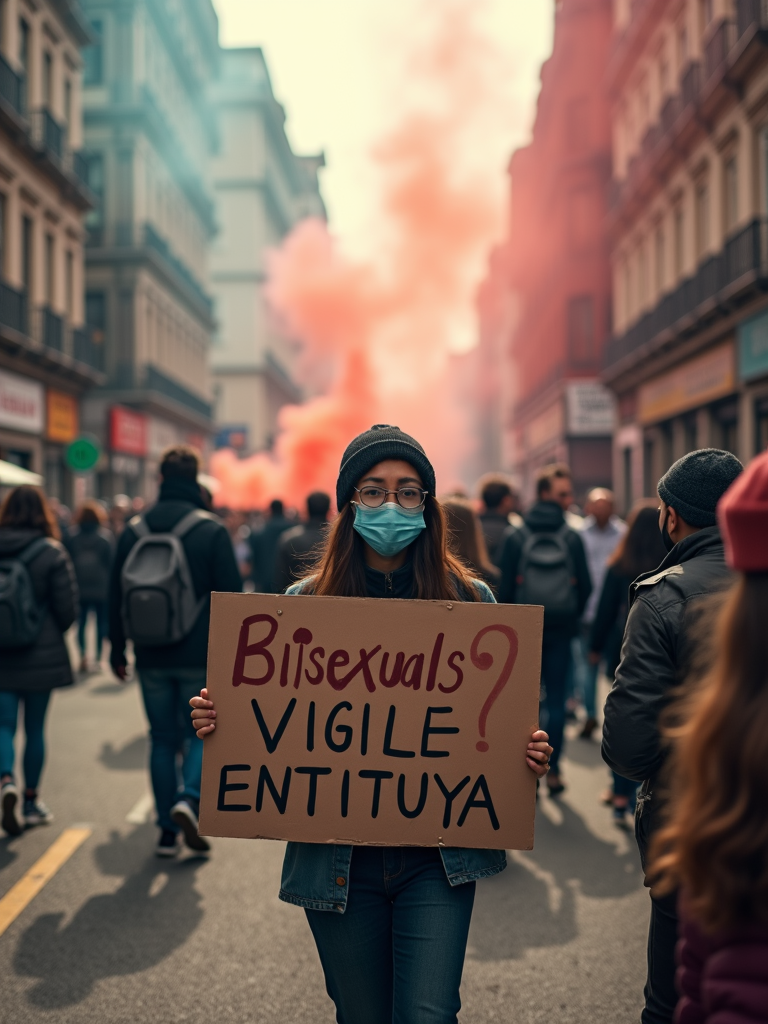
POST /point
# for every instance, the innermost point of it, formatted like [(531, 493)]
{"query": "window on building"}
[(691, 431), (649, 477), (23, 59), (94, 220), (581, 329), (50, 269), (627, 472), (48, 79), (642, 273), (96, 315), (68, 102), (69, 273), (659, 261), (627, 284), (27, 243), (726, 419), (93, 57), (667, 446), (702, 219), (679, 224), (3, 252), (731, 197)]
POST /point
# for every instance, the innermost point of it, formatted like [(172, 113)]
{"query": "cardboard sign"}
[(363, 721)]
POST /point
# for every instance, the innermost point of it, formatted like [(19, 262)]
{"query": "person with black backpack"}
[(91, 547), (168, 561), (543, 562), (38, 604)]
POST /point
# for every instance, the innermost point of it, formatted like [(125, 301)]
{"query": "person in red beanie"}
[(715, 845)]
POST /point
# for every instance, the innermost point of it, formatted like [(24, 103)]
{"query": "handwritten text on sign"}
[(371, 721)]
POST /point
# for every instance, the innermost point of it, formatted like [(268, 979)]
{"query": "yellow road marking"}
[(41, 872)]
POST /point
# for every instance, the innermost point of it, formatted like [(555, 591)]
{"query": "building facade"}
[(261, 189), (47, 357), (555, 267), (688, 360), (149, 132)]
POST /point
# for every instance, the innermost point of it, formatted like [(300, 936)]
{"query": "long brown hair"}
[(26, 508), (715, 844), (438, 575), (641, 548)]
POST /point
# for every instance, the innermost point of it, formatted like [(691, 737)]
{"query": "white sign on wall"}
[(21, 403), (591, 408), (161, 435)]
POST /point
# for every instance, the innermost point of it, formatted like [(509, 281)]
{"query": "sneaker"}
[(555, 785), (587, 729), (167, 844), (36, 813), (184, 815), (9, 797)]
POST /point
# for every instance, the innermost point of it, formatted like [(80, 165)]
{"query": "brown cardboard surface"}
[(315, 696)]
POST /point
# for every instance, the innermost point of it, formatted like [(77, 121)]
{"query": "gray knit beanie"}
[(380, 442), (694, 484)]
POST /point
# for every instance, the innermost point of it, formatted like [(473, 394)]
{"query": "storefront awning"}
[(14, 476)]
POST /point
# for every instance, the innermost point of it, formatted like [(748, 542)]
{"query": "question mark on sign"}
[(484, 661)]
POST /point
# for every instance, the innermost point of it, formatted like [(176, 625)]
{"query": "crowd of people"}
[(667, 607)]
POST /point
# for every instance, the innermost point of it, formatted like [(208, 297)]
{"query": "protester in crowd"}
[(298, 547), (655, 657), (38, 604), (714, 848), (403, 911), (264, 542), (171, 667), (465, 539), (500, 510), (640, 550), (91, 547), (119, 512), (601, 532), (543, 562), (239, 533)]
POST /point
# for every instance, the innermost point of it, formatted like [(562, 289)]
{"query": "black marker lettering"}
[(345, 793), (311, 726), (430, 729), (231, 787), (487, 803), (345, 730), (422, 797), (377, 776), (389, 750), (270, 742), (364, 729), (450, 795), (312, 773), (281, 798)]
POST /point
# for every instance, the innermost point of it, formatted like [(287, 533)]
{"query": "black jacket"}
[(494, 529), (611, 618), (545, 517), (46, 664), (91, 549), (264, 546), (212, 564), (655, 657), (296, 551)]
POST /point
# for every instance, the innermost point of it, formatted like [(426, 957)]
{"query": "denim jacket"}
[(316, 875)]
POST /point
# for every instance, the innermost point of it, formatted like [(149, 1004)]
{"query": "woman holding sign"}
[(390, 923)]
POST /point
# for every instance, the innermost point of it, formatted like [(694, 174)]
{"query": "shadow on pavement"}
[(153, 912), (586, 752), (533, 903), (133, 756), (7, 854)]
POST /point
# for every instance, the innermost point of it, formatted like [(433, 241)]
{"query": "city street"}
[(117, 935)]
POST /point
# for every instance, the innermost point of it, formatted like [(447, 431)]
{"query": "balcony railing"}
[(155, 380), (13, 308), (156, 242), (749, 13), (11, 86), (47, 133), (746, 252)]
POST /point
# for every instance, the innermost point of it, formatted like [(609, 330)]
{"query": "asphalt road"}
[(120, 936)]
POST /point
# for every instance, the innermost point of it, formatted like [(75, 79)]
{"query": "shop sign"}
[(161, 435), (127, 432), (545, 428), (126, 465), (693, 384), (591, 408), (62, 425), (83, 454), (232, 437), (21, 403), (753, 347)]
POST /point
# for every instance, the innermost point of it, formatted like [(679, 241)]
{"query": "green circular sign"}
[(83, 454)]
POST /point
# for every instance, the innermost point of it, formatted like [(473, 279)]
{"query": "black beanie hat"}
[(380, 442), (694, 484)]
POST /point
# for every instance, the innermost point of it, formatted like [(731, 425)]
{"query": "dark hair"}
[(465, 535), (318, 505), (547, 475), (494, 488), (715, 843), (91, 513), (26, 508), (438, 574), (276, 507), (641, 548), (180, 462)]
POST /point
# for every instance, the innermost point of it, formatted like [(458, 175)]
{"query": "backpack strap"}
[(139, 526), (31, 551), (191, 520)]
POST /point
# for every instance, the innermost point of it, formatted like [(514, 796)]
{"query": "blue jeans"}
[(627, 788), (587, 674), (395, 956), (99, 609), (166, 694), (555, 663), (35, 707)]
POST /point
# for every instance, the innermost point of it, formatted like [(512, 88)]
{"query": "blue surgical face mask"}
[(389, 528)]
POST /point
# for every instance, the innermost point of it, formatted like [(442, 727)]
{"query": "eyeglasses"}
[(407, 497)]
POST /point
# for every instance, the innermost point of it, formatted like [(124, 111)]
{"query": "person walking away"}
[(658, 643), (119, 513), (264, 542), (500, 510), (38, 604), (168, 561), (714, 848), (543, 562), (640, 550), (91, 547), (465, 539), (601, 532), (390, 923), (297, 548)]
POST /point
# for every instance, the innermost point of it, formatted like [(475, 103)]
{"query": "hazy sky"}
[(334, 66)]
